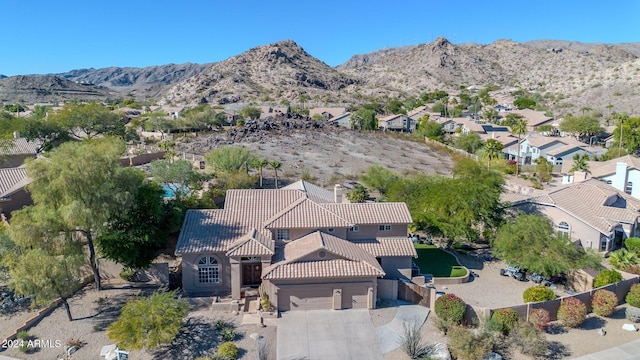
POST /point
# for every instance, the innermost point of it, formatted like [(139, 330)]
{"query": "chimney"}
[(337, 193), (620, 180), (16, 134)]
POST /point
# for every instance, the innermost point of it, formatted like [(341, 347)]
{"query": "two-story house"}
[(622, 173), (399, 122), (554, 149), (304, 245)]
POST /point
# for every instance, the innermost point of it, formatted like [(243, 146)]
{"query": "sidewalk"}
[(628, 351)]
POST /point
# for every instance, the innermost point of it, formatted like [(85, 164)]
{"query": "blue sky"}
[(57, 36)]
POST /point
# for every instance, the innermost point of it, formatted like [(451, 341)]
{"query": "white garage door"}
[(321, 296)]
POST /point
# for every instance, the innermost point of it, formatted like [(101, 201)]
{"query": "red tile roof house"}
[(304, 245), (595, 214)]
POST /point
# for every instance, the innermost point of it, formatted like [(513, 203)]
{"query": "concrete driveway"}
[(327, 335)]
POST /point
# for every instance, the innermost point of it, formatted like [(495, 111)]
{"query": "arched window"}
[(563, 229), (629, 188), (208, 270)]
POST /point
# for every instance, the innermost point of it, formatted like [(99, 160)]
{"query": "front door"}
[(251, 273)]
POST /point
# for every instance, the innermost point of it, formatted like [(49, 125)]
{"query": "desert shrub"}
[(540, 318), (411, 340), (128, 274), (538, 293), (450, 308), (606, 277), (228, 334), (633, 244), (633, 296), (507, 318), (529, 339), (604, 302), (632, 314), (228, 350), (464, 344), (633, 269), (572, 312), (22, 335), (220, 324)]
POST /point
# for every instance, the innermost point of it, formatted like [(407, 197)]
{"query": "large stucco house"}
[(590, 212), (623, 173), (306, 246)]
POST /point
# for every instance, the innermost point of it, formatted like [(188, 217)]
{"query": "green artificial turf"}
[(432, 260)]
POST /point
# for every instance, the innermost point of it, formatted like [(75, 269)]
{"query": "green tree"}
[(149, 322), (260, 164), (275, 165), (582, 127), (364, 119), (229, 159), (543, 168), (358, 194), (469, 142), (136, 233), (492, 150), (530, 241), (519, 127), (430, 129), (178, 175), (490, 113), (250, 112), (47, 276), (580, 163), (88, 120), (629, 129), (545, 129), (75, 191), (395, 106), (511, 119), (524, 103), (379, 178)]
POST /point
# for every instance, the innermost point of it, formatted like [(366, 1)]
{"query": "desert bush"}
[(572, 312), (220, 324), (128, 274), (633, 244), (633, 269), (604, 302), (538, 293), (606, 277), (411, 340), (632, 314), (507, 318), (540, 318), (633, 296), (529, 339), (450, 308), (228, 334), (464, 344), (22, 335), (228, 350)]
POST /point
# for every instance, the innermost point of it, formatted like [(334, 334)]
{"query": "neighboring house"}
[(468, 125), (554, 149), (13, 193), (399, 122), (622, 173), (327, 113), (302, 244), (417, 113), (343, 120), (14, 152), (590, 212), (534, 118), (508, 141)]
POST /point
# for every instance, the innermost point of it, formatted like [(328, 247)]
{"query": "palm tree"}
[(260, 164), (585, 109), (493, 150), (276, 165), (623, 258), (580, 163), (519, 128)]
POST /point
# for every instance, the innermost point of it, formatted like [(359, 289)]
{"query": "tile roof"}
[(12, 180), (355, 261), (329, 110), (314, 192), (400, 246), (371, 213), (565, 149), (322, 270), (534, 117), (595, 203), (604, 168), (305, 213), (504, 138), (253, 244), (390, 117), (20, 146), (418, 111)]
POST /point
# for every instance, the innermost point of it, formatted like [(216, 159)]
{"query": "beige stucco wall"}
[(396, 267), (319, 293), (372, 232), (190, 284)]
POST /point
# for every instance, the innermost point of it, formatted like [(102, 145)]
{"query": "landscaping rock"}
[(438, 351), (11, 303), (493, 356), (629, 327), (602, 332)]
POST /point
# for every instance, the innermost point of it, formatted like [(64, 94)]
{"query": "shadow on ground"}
[(197, 338), (557, 351)]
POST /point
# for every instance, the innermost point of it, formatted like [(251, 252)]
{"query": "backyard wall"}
[(388, 289), (414, 294)]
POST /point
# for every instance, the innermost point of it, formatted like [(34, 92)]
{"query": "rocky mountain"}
[(147, 81), (265, 73), (2, 76), (632, 48), (47, 88)]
